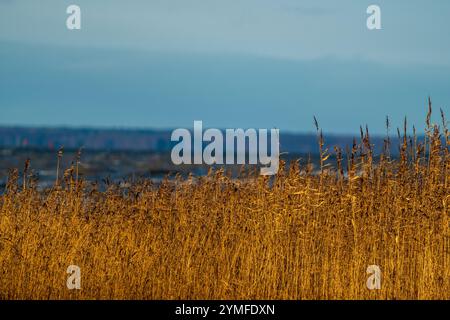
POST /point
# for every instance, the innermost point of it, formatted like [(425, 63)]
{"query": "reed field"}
[(309, 232)]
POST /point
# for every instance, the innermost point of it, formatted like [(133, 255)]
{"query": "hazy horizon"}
[(234, 64)]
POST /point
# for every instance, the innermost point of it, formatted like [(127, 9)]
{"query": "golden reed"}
[(307, 234)]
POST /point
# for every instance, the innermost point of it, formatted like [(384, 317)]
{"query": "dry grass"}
[(301, 236)]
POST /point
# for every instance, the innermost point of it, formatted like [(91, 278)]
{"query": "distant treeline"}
[(155, 140)]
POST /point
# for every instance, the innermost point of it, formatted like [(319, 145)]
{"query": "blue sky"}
[(233, 63)]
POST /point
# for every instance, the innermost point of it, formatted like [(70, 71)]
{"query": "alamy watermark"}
[(73, 21), (233, 144), (74, 279), (374, 20), (374, 280)]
